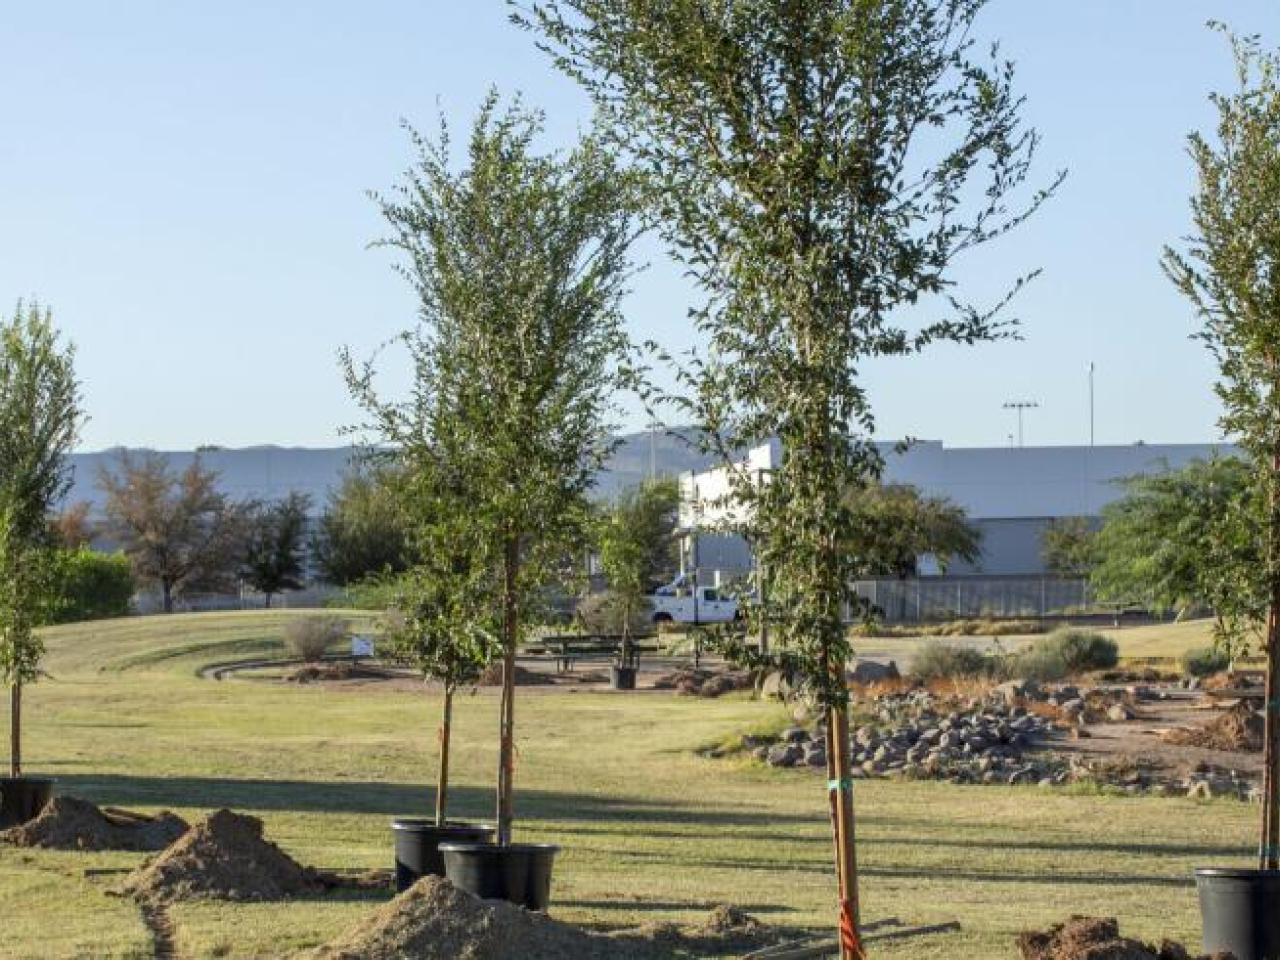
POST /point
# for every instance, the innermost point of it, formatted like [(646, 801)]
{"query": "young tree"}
[(1069, 547), (443, 621), (1230, 271), (178, 531), (72, 528), (818, 168), (635, 537), (362, 532), (519, 262), (896, 526), (39, 421), (275, 547)]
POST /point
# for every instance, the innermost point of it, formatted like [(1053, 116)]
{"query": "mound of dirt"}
[(69, 823), (492, 677), (704, 683), (223, 858), (1093, 938), (1239, 729), (433, 920)]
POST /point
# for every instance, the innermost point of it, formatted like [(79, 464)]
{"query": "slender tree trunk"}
[(1269, 850), (15, 729), (506, 750), (841, 787), (267, 602), (442, 782), (167, 590)]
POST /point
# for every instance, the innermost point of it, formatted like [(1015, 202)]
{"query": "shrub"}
[(1205, 661), (603, 613), (942, 661), (1062, 653), (311, 637), (91, 586)]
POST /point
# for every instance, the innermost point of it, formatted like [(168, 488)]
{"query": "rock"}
[(816, 757), (1119, 713), (795, 735), (1200, 790), (761, 753), (1073, 707), (1023, 775), (866, 672), (866, 736), (775, 686), (784, 755)]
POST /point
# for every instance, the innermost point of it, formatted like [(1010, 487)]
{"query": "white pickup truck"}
[(692, 605)]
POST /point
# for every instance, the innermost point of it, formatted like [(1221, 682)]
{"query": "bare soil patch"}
[(433, 920), (225, 857), (1094, 938), (69, 823)]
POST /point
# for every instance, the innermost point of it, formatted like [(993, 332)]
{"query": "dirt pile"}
[(1093, 938), (69, 823), (1240, 729), (223, 858), (704, 683), (433, 920)]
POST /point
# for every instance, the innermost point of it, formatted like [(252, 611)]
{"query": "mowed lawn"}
[(650, 830)]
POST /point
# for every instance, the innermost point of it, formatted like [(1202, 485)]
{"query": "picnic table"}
[(567, 649)]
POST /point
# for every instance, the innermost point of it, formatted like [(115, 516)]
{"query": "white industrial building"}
[(1011, 494)]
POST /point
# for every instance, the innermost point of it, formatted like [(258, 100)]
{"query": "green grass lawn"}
[(650, 830)]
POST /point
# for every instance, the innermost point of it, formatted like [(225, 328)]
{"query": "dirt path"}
[(164, 935)]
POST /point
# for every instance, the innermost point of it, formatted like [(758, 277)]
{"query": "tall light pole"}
[(1020, 405)]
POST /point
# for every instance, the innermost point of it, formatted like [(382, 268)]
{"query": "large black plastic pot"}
[(518, 872), (1240, 911), (622, 678), (418, 846), (22, 799)]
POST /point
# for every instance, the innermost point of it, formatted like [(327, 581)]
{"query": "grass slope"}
[(649, 829)]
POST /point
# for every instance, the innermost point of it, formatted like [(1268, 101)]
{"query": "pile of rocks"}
[(921, 735)]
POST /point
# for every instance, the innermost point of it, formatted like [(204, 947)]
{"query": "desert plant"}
[(942, 661), (1205, 661), (310, 638), (1083, 650)]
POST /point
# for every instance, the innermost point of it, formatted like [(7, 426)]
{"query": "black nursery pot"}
[(23, 798), (1240, 911), (518, 872), (418, 846), (622, 678)]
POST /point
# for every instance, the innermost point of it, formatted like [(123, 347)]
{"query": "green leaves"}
[(39, 422), (818, 168)]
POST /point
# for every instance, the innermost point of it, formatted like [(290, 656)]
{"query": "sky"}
[(186, 185)]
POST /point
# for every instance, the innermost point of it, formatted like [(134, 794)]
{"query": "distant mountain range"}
[(269, 472)]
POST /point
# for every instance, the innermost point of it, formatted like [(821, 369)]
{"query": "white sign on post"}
[(362, 646)]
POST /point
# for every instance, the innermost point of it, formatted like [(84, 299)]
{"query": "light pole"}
[(1020, 405)]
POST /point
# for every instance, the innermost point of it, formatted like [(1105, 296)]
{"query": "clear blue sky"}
[(185, 184)]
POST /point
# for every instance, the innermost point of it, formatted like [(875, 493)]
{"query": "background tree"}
[(634, 538), (362, 532), (72, 527), (519, 261), (896, 526), (1168, 542), (1069, 547), (178, 530), (275, 545), (39, 422), (818, 168), (1231, 273)]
